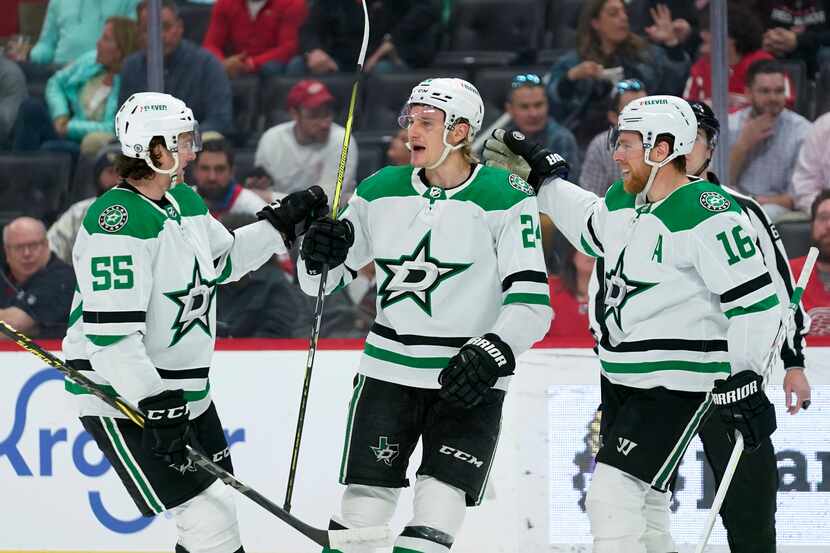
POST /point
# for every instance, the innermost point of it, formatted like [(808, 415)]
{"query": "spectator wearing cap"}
[(404, 34), (812, 169), (62, 233), (255, 36), (35, 285), (191, 73), (306, 150), (527, 105), (764, 140), (599, 170), (214, 180), (816, 298), (743, 48)]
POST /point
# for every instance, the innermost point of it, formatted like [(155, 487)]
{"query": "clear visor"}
[(612, 138), (614, 144), (189, 142), (427, 116)]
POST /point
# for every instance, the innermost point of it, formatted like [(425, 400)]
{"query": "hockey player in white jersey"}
[(462, 291), (688, 306), (148, 258)]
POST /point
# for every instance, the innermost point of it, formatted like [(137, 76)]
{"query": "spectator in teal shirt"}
[(71, 27)]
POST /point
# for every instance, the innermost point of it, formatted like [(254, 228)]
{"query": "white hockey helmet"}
[(653, 116), (456, 98), (147, 114)]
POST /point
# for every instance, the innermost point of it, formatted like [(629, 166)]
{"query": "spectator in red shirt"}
[(816, 298), (743, 48), (255, 36), (569, 293)]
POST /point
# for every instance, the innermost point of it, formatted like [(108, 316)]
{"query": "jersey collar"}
[(420, 184)]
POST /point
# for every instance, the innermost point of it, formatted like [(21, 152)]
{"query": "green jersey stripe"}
[(76, 314), (226, 271), (103, 341), (536, 299), (405, 360), (358, 389), (78, 390), (767, 303), (135, 471), (653, 366), (588, 249)]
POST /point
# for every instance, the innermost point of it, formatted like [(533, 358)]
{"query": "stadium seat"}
[(35, 184), (245, 91), (371, 158), (386, 94), (796, 237), (562, 19), (506, 25), (275, 90), (196, 19)]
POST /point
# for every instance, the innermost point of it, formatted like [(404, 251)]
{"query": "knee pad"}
[(207, 523), (367, 506), (615, 505), (657, 537), (439, 511)]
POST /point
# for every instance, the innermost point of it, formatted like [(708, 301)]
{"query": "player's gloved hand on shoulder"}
[(743, 406), (514, 152), (327, 242), (472, 372), (166, 426), (293, 215)]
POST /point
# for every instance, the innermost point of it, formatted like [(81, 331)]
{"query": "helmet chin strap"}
[(447, 149), (172, 172), (642, 197)]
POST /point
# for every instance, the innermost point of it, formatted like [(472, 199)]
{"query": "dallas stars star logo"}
[(385, 452), (619, 289), (415, 276), (194, 305)]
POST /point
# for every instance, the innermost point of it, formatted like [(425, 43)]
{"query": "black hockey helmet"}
[(707, 121)]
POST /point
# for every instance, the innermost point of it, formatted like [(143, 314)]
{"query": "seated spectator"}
[(685, 18), (397, 153), (72, 26), (743, 48), (606, 52), (599, 169), (764, 140), (569, 293), (62, 233), (258, 181), (191, 73), (797, 29), (816, 298), (36, 286), (81, 98), (261, 304), (12, 94), (258, 36), (404, 35), (812, 169), (214, 180), (306, 150), (527, 105)]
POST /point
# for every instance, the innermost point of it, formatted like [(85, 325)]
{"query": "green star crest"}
[(194, 305), (619, 289), (113, 218), (415, 276), (713, 201)]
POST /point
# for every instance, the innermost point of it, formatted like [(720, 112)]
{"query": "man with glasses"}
[(305, 151), (35, 286), (528, 106), (599, 169)]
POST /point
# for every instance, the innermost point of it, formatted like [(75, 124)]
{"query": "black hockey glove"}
[(327, 242), (166, 420), (293, 215), (473, 371), (529, 160), (743, 405)]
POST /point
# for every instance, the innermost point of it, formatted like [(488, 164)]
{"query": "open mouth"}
[(418, 148)]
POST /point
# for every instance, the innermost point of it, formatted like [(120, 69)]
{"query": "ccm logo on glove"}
[(736, 395), (174, 413)]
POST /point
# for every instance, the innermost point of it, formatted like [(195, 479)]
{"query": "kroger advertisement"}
[(59, 494)]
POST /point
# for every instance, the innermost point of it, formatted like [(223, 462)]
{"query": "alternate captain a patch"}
[(520, 184), (113, 218), (714, 201)]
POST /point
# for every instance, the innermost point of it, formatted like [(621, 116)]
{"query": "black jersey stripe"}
[(182, 374), (746, 288), (105, 317), (523, 276), (665, 344), (593, 234), (417, 340)]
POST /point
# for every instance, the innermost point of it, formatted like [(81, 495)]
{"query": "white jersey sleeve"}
[(245, 249), (577, 213)]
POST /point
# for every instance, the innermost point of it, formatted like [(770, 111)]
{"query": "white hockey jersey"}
[(686, 295), (143, 315), (450, 265)]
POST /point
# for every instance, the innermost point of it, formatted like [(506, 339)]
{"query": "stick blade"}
[(372, 536)]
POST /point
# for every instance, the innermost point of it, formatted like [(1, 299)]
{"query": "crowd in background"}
[(69, 64)]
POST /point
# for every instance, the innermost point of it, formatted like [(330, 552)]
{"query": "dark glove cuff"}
[(498, 350)]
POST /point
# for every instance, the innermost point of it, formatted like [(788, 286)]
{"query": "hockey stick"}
[(775, 351), (321, 295), (376, 536)]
